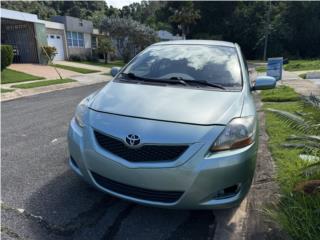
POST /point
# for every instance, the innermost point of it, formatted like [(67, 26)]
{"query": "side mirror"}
[(264, 82), (115, 70)]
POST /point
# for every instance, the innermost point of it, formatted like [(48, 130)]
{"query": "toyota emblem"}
[(132, 140)]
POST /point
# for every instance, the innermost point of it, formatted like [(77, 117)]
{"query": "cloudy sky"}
[(120, 3)]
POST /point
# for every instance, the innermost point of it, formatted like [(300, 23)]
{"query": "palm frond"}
[(297, 122), (309, 141), (312, 138)]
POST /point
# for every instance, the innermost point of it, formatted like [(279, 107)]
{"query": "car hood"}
[(168, 103)]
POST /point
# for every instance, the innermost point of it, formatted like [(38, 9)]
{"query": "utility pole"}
[(267, 33)]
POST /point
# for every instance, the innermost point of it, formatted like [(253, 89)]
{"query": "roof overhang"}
[(21, 16)]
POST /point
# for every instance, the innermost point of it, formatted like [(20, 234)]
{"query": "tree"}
[(184, 17), (130, 36), (294, 30), (105, 47)]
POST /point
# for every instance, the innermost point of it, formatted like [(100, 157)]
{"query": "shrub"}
[(92, 58), (77, 58), (49, 52), (6, 56)]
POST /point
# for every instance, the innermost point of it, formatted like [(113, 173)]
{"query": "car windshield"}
[(203, 63)]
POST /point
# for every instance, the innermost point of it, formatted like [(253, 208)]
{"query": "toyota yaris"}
[(176, 127)]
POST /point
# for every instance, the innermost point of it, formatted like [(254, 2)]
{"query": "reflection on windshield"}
[(215, 64)]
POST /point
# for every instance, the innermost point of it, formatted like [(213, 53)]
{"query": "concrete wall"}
[(41, 37), (74, 24)]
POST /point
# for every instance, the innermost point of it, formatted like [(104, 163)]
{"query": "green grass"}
[(296, 65), (280, 94), (261, 69), (118, 63), (3, 90), (297, 213), (12, 76), (75, 69), (302, 65), (43, 83)]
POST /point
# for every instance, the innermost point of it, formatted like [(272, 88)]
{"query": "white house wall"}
[(87, 40)]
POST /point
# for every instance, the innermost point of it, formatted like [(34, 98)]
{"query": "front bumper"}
[(200, 176)]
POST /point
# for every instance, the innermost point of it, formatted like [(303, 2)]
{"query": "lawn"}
[(3, 90), (297, 212), (75, 69), (296, 65), (302, 65), (261, 69), (43, 83), (118, 63), (280, 94), (12, 76)]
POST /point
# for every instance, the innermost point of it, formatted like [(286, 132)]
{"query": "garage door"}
[(56, 41)]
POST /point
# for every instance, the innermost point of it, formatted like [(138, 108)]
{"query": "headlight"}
[(240, 132), (80, 112)]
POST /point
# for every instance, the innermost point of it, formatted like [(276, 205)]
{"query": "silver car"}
[(176, 127)]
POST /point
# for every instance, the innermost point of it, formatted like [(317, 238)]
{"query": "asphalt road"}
[(43, 199)]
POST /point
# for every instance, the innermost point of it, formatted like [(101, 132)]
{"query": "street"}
[(43, 199)]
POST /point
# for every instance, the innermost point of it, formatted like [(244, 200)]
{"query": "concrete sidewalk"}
[(83, 65), (304, 87)]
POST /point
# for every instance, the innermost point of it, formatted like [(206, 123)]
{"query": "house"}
[(56, 37), (27, 34), (81, 36)]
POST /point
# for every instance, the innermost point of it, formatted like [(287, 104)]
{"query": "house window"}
[(94, 42), (75, 39)]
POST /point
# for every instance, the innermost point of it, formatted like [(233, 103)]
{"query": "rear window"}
[(215, 64)]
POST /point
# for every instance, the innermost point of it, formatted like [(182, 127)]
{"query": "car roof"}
[(196, 42)]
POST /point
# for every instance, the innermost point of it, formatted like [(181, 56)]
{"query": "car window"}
[(214, 64)]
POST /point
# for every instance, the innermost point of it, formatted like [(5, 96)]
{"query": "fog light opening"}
[(228, 192)]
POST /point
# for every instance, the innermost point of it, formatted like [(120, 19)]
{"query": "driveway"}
[(43, 199), (45, 71)]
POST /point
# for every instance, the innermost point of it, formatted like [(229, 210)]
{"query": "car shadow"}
[(66, 207)]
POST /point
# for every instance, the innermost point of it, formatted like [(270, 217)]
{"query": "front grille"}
[(146, 153), (136, 192)]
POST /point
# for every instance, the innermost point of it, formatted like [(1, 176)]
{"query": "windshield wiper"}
[(169, 81), (206, 83), (173, 80), (203, 82)]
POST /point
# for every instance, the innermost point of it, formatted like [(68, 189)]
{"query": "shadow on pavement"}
[(69, 208)]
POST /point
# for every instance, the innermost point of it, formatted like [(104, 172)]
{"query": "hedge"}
[(6, 56)]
